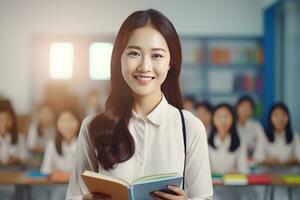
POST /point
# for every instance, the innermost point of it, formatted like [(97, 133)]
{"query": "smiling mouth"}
[(144, 78)]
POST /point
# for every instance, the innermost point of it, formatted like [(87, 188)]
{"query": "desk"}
[(23, 182)]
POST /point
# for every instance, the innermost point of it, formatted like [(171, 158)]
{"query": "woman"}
[(141, 131), (225, 143), (279, 138)]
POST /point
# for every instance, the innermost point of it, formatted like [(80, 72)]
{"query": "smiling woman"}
[(142, 130)]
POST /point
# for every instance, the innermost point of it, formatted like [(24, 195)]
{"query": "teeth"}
[(144, 78)]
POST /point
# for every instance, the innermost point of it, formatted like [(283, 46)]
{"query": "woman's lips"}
[(143, 80)]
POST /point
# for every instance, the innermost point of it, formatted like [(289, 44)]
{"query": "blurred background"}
[(58, 53)]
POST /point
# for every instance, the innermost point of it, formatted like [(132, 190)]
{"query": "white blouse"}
[(34, 140), (223, 161), (53, 161), (251, 132), (159, 148), (278, 149), (17, 150)]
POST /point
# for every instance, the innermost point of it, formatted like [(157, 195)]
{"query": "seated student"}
[(42, 129), (204, 111), (282, 145), (226, 149), (60, 153), (59, 157), (12, 144), (248, 128)]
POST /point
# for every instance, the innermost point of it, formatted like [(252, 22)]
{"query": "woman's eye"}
[(133, 53), (157, 55)]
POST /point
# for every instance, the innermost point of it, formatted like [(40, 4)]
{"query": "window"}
[(61, 60), (99, 61)]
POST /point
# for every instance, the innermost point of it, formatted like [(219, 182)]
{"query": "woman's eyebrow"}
[(139, 48)]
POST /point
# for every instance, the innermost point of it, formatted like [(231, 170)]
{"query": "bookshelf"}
[(221, 69)]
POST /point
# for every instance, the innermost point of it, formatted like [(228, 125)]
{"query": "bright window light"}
[(99, 61), (61, 60)]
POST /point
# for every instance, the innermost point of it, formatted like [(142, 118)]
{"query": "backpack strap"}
[(184, 142)]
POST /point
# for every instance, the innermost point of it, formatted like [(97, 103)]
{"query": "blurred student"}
[(60, 153), (227, 152), (42, 129), (248, 128), (59, 156), (282, 145), (226, 149), (93, 105), (12, 144), (189, 103), (204, 112)]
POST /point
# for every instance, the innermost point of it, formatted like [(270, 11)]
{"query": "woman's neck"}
[(143, 105), (222, 135)]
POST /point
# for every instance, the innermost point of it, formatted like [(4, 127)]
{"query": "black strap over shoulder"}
[(184, 142)]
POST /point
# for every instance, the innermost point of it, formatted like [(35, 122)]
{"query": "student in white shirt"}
[(42, 129), (12, 144), (279, 138), (249, 129), (60, 153), (204, 110), (13, 150), (227, 151), (140, 132)]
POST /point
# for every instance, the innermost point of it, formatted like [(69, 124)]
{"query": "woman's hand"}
[(96, 196), (179, 194)]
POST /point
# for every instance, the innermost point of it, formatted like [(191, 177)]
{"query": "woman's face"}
[(6, 122), (67, 125), (244, 111), (46, 116), (279, 119), (145, 61), (223, 120)]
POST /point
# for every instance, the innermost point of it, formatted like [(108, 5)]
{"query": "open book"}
[(139, 189)]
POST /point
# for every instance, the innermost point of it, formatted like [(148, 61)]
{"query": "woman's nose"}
[(145, 64)]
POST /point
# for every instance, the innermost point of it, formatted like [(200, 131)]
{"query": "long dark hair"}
[(270, 128), (5, 106), (235, 139), (59, 137), (109, 130)]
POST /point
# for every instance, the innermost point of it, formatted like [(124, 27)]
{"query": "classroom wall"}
[(20, 20)]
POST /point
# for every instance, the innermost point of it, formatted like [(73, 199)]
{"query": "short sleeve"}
[(198, 173), (86, 159)]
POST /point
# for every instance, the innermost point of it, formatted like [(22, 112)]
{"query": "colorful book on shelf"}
[(139, 189), (292, 179), (235, 179), (217, 179), (259, 179)]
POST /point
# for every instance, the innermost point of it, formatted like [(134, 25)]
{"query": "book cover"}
[(235, 179), (137, 190), (259, 179), (292, 179)]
